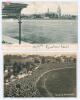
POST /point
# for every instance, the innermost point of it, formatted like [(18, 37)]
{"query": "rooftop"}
[(11, 8)]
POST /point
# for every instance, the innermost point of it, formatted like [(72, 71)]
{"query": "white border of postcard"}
[(78, 62)]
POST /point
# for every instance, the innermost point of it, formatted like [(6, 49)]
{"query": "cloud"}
[(41, 7)]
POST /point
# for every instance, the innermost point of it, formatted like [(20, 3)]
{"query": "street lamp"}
[(14, 10), (19, 21)]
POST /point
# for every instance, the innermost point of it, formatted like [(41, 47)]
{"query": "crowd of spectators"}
[(25, 87)]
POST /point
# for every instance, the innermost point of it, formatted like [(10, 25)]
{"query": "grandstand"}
[(12, 10)]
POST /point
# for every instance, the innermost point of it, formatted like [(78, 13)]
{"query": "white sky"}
[(41, 7)]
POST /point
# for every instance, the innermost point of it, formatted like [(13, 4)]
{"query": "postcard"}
[(40, 42)]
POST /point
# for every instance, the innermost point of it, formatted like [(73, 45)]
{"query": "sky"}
[(42, 7)]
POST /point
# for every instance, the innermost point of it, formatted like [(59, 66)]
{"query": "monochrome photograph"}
[(40, 75), (39, 22)]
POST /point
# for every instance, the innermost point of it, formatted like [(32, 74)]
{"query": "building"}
[(48, 10), (59, 11)]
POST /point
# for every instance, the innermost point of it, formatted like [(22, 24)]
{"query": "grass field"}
[(58, 83)]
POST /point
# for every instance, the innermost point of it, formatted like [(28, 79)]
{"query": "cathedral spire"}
[(59, 11)]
